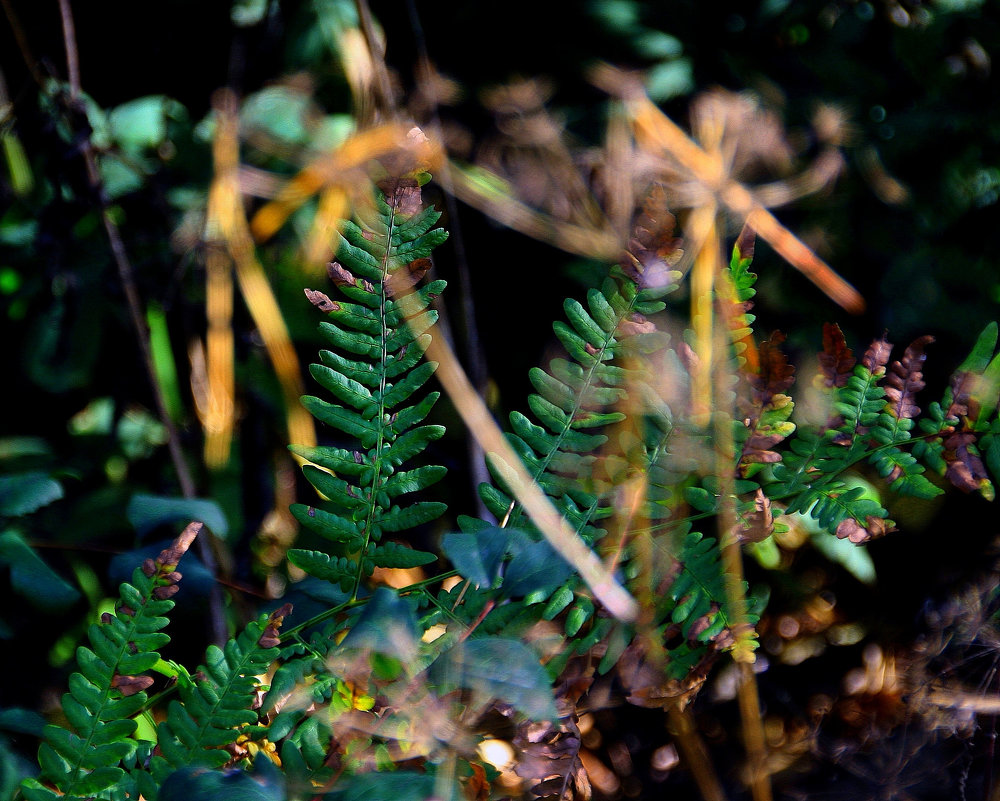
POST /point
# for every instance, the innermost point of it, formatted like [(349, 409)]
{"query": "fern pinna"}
[(378, 332)]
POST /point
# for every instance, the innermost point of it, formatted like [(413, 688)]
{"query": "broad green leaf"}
[(982, 352), (23, 493), (31, 578), (387, 625), (534, 566), (477, 556), (403, 785), (202, 784), (502, 669), (146, 512)]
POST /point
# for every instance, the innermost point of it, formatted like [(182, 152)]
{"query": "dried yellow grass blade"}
[(229, 222), (560, 536), (329, 170), (653, 129)]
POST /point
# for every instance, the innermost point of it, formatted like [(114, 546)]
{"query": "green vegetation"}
[(676, 511)]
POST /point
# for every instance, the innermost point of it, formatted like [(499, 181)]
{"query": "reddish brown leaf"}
[(761, 455), (965, 469), (905, 379), (271, 638), (169, 557), (877, 355), (635, 324), (130, 685), (321, 301), (759, 524), (653, 249), (477, 787), (837, 360), (403, 280), (963, 404), (165, 592), (746, 242), (775, 374), (851, 529), (640, 670), (402, 194), (339, 274)]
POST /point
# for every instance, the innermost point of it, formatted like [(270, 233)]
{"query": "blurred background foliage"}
[(903, 91)]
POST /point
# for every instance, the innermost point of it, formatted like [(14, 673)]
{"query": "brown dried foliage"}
[(271, 637), (877, 355), (837, 360), (653, 250), (320, 301), (965, 469), (905, 379), (775, 374)]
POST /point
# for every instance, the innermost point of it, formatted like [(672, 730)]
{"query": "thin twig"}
[(127, 276), (72, 56)]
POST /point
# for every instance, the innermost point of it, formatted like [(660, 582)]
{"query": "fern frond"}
[(575, 400), (214, 708), (373, 376), (109, 688)]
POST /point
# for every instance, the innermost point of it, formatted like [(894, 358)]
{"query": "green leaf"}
[(23, 493), (534, 566), (494, 667), (411, 443), (340, 386), (408, 517), (346, 420), (979, 358), (323, 566), (403, 785), (413, 480), (477, 556), (146, 512), (404, 388), (331, 526), (387, 625), (856, 561), (32, 579), (393, 554), (201, 784)]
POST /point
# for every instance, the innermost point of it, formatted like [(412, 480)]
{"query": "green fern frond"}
[(576, 401), (373, 376), (109, 689), (214, 708)]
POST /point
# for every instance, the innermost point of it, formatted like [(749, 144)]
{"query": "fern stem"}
[(380, 438)]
